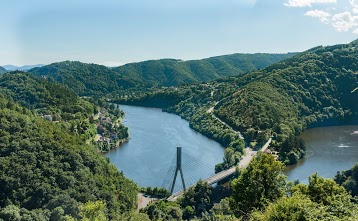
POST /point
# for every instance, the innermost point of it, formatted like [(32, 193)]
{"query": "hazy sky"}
[(114, 32)]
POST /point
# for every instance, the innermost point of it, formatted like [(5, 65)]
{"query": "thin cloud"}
[(307, 3), (341, 21), (321, 15), (354, 4), (345, 21)]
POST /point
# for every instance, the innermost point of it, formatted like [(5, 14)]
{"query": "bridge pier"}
[(178, 168)]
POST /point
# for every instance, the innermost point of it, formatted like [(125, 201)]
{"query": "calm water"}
[(329, 149), (154, 136)]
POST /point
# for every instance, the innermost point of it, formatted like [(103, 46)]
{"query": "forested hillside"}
[(47, 173), (170, 72), (316, 87), (2, 70), (50, 100), (97, 80), (85, 79), (37, 93)]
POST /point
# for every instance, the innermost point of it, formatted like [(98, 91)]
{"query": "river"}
[(329, 149), (154, 137)]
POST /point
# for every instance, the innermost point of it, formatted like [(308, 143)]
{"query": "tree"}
[(328, 193), (93, 211), (296, 208), (321, 199), (262, 182), (198, 198)]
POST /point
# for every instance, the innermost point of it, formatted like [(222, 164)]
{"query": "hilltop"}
[(85, 79), (171, 72), (98, 80)]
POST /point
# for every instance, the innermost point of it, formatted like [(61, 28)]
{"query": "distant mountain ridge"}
[(92, 79), (21, 68), (172, 72), (2, 70)]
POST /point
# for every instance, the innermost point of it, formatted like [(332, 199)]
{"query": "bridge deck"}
[(244, 162)]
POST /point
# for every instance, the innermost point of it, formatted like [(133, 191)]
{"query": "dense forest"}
[(85, 79), (37, 93), (349, 179), (88, 118), (314, 88), (97, 80), (48, 174), (52, 101), (171, 72)]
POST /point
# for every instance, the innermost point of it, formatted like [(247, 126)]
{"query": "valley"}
[(51, 114)]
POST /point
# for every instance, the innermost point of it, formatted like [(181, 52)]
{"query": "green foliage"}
[(49, 99), (14, 213), (44, 167), (260, 183), (36, 93), (170, 72), (295, 208), (231, 158), (222, 211), (321, 199), (85, 79), (349, 179), (97, 80), (197, 200), (93, 211), (164, 211), (157, 192)]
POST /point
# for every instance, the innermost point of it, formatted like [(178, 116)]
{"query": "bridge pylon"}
[(178, 168)]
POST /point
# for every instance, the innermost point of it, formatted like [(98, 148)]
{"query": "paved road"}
[(211, 111), (244, 162)]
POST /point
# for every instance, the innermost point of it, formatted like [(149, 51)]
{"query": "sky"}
[(116, 32)]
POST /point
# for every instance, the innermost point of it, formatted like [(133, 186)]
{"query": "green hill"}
[(47, 173), (170, 72), (85, 79), (45, 98), (314, 88), (2, 70), (92, 80)]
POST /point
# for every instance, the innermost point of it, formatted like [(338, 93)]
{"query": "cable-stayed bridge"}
[(183, 164)]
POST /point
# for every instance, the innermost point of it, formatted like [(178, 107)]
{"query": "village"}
[(110, 132)]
